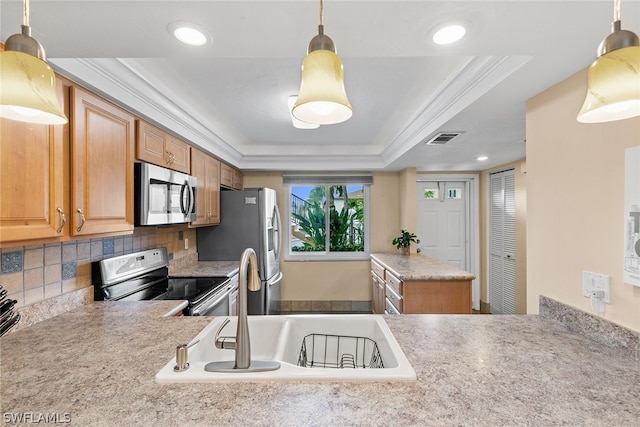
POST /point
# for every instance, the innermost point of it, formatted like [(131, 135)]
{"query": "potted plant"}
[(403, 241)]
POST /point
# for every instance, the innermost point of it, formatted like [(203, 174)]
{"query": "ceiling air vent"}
[(442, 138)]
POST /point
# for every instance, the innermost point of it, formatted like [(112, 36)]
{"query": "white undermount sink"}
[(339, 341)]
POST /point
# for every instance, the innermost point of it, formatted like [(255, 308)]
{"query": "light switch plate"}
[(596, 282)]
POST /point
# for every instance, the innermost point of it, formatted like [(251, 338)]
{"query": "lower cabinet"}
[(378, 294), (377, 288), (392, 295), (437, 296)]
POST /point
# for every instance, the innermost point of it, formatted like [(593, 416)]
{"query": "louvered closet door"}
[(502, 243)]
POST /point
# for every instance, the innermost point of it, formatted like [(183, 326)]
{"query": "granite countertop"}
[(420, 267), (95, 366), (207, 269)]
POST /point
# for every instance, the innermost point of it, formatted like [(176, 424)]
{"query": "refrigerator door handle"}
[(276, 230), (275, 279)]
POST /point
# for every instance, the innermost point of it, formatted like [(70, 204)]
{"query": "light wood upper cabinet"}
[(230, 177), (102, 142), (153, 145), (34, 176), (206, 169)]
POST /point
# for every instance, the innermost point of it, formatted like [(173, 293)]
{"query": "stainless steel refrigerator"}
[(248, 219)]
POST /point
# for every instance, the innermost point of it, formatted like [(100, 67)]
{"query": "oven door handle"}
[(206, 305)]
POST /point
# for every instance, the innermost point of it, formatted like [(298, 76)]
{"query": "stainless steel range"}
[(144, 276)]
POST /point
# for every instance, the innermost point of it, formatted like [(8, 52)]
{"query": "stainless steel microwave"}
[(163, 196)]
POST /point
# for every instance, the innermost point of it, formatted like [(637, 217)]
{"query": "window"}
[(327, 217)]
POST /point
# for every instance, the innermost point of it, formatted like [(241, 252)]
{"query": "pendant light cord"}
[(321, 7), (616, 10)]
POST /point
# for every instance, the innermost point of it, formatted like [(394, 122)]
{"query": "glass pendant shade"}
[(613, 87), (28, 90), (322, 98)]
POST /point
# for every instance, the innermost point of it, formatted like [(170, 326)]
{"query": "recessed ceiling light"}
[(449, 34), (482, 158), (188, 33)]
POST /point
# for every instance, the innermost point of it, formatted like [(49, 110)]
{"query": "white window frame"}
[(326, 180)]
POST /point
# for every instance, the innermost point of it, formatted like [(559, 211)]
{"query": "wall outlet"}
[(592, 282), (186, 243)]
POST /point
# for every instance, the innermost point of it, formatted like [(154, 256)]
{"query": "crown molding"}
[(473, 79), (119, 81)]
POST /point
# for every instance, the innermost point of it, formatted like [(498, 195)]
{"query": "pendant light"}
[(322, 99), (613, 82), (27, 83)]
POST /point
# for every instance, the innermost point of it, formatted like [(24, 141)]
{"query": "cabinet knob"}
[(82, 220), (418, 250), (63, 220)]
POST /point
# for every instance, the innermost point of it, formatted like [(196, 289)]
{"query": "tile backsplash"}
[(32, 274)]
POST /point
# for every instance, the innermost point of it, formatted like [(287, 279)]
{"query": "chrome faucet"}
[(241, 343)]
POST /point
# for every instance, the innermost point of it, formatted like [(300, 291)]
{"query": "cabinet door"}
[(150, 144), (226, 175), (206, 169), (237, 179), (34, 177), (177, 155), (230, 177), (101, 166), (213, 185), (153, 145)]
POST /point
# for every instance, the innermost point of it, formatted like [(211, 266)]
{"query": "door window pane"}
[(430, 193), (454, 193)]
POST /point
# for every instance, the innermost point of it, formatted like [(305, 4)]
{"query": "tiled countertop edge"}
[(596, 328)]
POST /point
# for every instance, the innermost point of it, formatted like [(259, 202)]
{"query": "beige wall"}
[(346, 280), (575, 200), (519, 168), (408, 202)]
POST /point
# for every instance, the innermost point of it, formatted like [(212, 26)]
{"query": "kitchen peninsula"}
[(95, 366), (412, 284)]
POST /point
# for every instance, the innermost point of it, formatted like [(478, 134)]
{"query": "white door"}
[(448, 223), (442, 221), (502, 243)]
